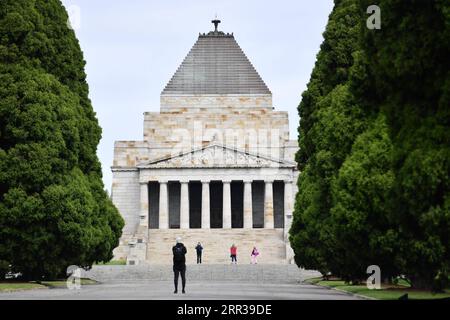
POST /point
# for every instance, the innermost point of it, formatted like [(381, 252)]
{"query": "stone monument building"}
[(215, 165)]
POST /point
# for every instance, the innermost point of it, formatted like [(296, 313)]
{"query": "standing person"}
[(179, 264), (233, 254), (254, 255), (199, 250)]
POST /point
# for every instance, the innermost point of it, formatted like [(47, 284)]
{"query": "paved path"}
[(261, 273), (196, 290), (225, 282)]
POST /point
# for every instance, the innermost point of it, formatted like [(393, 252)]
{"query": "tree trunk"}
[(422, 283)]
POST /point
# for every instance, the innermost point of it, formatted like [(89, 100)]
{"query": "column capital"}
[(183, 181), (144, 183), (163, 181), (226, 181), (205, 181), (248, 180), (290, 180), (269, 180)]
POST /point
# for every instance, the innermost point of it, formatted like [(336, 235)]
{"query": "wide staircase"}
[(216, 244)]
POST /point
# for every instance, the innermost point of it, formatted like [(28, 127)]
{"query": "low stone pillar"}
[(205, 205), (184, 205), (268, 205), (163, 206), (248, 207), (226, 204)]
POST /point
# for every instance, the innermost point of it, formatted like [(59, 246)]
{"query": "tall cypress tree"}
[(53, 208), (409, 79), (330, 120)]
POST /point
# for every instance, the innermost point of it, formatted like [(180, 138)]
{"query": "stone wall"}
[(255, 130), (176, 102), (190, 122), (126, 197), (130, 153)]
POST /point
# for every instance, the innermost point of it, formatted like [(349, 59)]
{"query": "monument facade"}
[(215, 165)]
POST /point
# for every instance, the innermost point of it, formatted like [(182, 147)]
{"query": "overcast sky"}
[(133, 47)]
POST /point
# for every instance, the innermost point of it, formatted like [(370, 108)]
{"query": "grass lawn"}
[(16, 285), (113, 263), (390, 292), (63, 283), (13, 286)]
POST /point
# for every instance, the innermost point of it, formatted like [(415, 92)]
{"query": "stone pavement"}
[(196, 290), (204, 283), (261, 273)]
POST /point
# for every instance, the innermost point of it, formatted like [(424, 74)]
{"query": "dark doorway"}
[(195, 204), (216, 203), (153, 205), (278, 204), (258, 203), (174, 204), (237, 204)]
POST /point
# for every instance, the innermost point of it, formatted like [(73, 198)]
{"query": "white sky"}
[(133, 48)]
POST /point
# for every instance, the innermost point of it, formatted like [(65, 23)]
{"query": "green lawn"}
[(13, 286), (16, 285), (63, 283), (391, 292)]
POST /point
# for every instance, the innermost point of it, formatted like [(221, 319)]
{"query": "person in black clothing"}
[(179, 264), (199, 250)]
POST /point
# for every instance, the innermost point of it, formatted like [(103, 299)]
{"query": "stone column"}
[(248, 208), (288, 203), (143, 221), (226, 204), (268, 205), (288, 211), (205, 205), (163, 206), (184, 205)]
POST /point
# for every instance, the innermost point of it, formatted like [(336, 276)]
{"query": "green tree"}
[(330, 120), (53, 208), (361, 222), (408, 77)]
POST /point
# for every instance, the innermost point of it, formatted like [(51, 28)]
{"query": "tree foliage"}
[(330, 121), (361, 214), (53, 208), (409, 77), (375, 146)]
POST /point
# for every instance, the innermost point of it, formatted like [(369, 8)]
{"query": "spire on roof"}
[(216, 23)]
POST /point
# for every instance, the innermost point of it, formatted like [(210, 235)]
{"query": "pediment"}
[(217, 156)]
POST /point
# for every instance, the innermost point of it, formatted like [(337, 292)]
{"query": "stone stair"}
[(216, 244), (265, 273)]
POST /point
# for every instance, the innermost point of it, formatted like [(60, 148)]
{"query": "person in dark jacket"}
[(199, 250), (179, 264)]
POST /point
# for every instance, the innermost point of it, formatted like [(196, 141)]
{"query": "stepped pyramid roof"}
[(216, 65)]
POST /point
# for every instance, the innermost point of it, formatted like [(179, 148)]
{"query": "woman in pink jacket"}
[(254, 255)]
